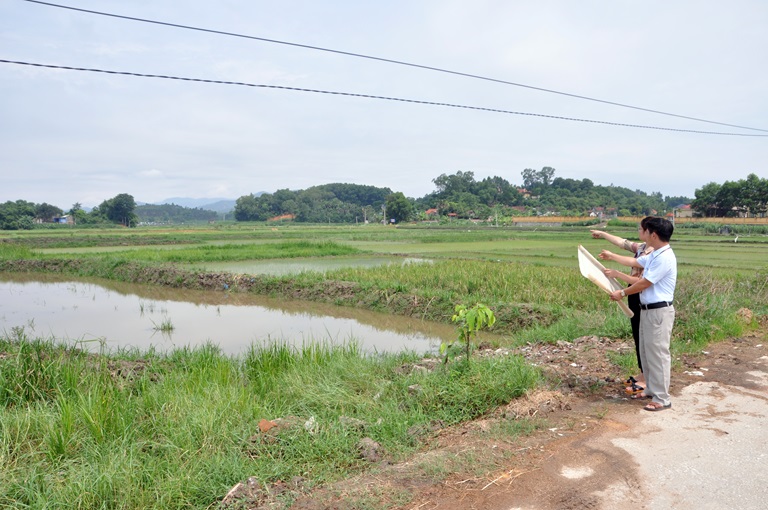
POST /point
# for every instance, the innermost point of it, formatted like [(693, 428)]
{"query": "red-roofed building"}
[(684, 211)]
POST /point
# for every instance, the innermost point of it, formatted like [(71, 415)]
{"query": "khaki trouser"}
[(655, 335)]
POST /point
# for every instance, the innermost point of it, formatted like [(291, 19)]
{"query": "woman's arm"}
[(615, 240), (621, 259)]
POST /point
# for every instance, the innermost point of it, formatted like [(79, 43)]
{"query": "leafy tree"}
[(754, 194), (536, 181), (731, 198), (18, 215), (467, 204), (47, 212), (706, 202), (247, 208), (334, 203), (493, 191), (77, 212), (398, 207), (357, 194), (461, 182), (119, 209)]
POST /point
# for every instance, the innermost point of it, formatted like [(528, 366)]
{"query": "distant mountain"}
[(219, 205), (222, 206), (194, 202)]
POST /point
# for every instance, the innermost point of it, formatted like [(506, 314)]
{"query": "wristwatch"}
[(623, 294)]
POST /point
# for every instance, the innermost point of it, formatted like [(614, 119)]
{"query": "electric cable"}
[(369, 96), (390, 61)]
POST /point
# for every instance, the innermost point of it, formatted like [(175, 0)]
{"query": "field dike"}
[(510, 317)]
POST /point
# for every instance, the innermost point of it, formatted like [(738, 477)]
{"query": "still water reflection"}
[(132, 316)]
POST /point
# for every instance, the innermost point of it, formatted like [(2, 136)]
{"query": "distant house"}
[(67, 219), (431, 212), (524, 192), (597, 212), (683, 211)]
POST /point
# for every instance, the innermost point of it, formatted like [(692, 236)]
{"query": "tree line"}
[(732, 198), (458, 195), (24, 215), (327, 203)]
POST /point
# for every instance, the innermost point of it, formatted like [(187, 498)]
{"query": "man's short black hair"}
[(661, 226)]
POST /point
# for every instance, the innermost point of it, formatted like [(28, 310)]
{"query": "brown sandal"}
[(655, 406)]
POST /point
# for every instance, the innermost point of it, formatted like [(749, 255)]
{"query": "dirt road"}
[(710, 451)]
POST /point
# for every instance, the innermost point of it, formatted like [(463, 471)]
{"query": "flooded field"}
[(123, 315), (279, 267)]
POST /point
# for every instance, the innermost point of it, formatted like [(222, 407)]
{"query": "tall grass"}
[(707, 304), (178, 430)]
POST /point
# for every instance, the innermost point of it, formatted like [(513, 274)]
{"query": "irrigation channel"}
[(105, 314)]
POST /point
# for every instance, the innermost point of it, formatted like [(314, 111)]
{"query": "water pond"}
[(279, 267), (141, 316)]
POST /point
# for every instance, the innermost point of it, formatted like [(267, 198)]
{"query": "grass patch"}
[(178, 430)]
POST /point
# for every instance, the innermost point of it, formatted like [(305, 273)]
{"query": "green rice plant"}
[(12, 251), (231, 252), (165, 326)]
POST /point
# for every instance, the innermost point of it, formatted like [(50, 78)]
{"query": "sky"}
[(71, 137)]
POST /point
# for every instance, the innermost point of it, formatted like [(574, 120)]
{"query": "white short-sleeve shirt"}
[(660, 268)]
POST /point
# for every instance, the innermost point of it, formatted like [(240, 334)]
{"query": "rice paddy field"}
[(179, 429)]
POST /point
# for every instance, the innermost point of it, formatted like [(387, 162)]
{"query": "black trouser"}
[(633, 302)]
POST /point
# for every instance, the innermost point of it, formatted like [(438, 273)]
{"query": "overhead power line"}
[(368, 96), (392, 61)]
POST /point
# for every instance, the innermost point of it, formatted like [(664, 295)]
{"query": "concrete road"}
[(710, 451)]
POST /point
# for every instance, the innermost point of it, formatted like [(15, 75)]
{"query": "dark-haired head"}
[(662, 227)]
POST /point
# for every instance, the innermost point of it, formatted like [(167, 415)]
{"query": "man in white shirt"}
[(657, 291)]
